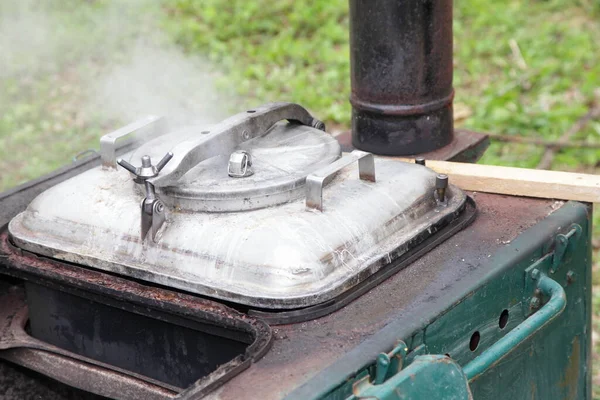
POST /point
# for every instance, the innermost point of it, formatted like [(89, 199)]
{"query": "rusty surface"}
[(401, 74), (300, 351), (571, 375), (13, 319), (73, 372), (22, 264), (467, 146), (119, 292)]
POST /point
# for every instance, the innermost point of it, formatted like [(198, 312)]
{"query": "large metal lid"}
[(350, 218)]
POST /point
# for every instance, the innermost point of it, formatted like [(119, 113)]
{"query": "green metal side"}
[(524, 332)]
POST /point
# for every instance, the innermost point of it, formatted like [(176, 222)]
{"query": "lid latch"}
[(152, 208)]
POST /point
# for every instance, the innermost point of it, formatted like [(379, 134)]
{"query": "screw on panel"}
[(420, 161), (570, 277), (535, 274)]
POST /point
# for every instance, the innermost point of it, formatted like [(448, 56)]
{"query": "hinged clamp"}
[(152, 208), (391, 363)]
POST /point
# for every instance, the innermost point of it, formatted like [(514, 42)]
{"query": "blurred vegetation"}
[(522, 67), (295, 51), (50, 53)]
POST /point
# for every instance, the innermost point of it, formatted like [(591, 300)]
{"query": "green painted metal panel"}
[(427, 377), (527, 326)]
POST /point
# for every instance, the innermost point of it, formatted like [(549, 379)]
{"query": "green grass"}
[(298, 51), (286, 50), (51, 52), (293, 51)]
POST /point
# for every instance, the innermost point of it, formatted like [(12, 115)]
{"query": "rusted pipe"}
[(401, 59)]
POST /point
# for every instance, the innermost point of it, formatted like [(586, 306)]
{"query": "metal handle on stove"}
[(496, 352), (108, 142), (225, 137), (316, 181)]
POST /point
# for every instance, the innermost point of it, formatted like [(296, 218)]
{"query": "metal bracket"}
[(561, 245), (316, 181), (152, 214), (152, 209), (548, 264), (108, 142), (427, 377), (555, 253), (389, 364)]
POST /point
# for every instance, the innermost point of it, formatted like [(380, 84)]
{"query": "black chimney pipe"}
[(401, 59)]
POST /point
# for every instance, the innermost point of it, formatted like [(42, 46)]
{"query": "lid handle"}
[(316, 181), (225, 137), (150, 125)]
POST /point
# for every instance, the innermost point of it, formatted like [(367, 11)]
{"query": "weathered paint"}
[(311, 359), (428, 377), (552, 363)]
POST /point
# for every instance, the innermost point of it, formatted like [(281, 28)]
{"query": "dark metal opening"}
[(503, 319), (474, 342), (156, 348), (142, 337)]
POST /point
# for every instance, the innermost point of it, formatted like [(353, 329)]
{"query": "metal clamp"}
[(391, 363), (316, 181), (152, 209), (108, 142), (561, 244)]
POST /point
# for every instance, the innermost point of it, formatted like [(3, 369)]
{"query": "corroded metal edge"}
[(467, 146), (126, 294)]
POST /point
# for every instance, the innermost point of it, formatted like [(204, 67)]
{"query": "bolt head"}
[(535, 303), (146, 162), (535, 274), (441, 181), (570, 276)]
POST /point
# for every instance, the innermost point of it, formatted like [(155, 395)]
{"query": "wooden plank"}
[(519, 181)]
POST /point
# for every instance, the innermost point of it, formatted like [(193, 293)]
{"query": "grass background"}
[(527, 68)]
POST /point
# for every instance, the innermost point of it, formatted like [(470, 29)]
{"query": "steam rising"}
[(159, 81), (114, 53)]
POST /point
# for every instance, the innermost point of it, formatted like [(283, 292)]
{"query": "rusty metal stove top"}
[(283, 223)]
